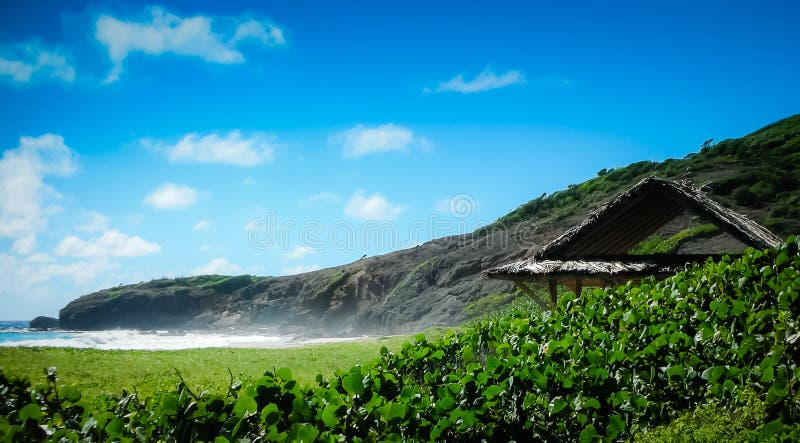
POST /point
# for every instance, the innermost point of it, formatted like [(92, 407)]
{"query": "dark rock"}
[(42, 322)]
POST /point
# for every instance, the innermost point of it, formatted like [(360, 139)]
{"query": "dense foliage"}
[(613, 364)]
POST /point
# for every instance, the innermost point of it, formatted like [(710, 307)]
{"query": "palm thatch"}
[(622, 223), (596, 250)]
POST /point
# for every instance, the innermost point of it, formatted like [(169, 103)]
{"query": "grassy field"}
[(97, 372)]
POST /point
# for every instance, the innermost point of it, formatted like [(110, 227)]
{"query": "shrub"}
[(609, 364)]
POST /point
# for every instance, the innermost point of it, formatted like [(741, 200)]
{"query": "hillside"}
[(438, 282)]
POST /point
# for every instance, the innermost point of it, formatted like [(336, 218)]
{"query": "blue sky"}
[(170, 139)]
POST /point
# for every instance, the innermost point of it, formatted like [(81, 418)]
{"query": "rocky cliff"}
[(435, 283)]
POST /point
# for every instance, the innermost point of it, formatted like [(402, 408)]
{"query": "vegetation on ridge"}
[(760, 171)]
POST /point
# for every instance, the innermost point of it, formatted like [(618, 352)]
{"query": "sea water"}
[(17, 333)]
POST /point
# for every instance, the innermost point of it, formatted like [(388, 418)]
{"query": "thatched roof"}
[(619, 268), (599, 245)]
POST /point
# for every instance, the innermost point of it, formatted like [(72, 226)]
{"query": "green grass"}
[(658, 245), (97, 372)]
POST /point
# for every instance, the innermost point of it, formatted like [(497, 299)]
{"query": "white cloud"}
[(97, 222), (231, 149), (218, 266), (202, 225), (21, 274), (373, 207), (300, 269), (360, 140), (249, 181), (267, 34), (171, 196), (24, 196), (111, 243), (320, 197), (298, 252), (485, 81), (25, 245), (24, 62), (187, 36)]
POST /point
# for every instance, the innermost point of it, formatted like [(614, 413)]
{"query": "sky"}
[(151, 140)]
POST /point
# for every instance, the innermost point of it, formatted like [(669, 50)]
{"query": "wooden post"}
[(552, 285), (578, 286), (522, 286)]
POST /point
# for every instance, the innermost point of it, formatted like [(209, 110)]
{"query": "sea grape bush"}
[(608, 365)]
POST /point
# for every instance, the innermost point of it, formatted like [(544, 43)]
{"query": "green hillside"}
[(759, 172)]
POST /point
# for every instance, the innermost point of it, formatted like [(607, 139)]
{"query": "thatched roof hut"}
[(595, 252)]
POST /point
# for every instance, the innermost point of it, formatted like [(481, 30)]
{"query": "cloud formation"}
[(25, 245), (201, 225), (361, 140), (97, 222), (171, 196), (111, 243), (232, 148), (188, 36), (373, 207), (485, 81), (219, 266), (298, 252), (25, 198), (25, 62)]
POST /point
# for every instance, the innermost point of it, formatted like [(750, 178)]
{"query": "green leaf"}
[(492, 363), (115, 427), (393, 411), (284, 373), (595, 357), (440, 427), (492, 391), (589, 434), (616, 426), (529, 400), (303, 433), (590, 402), (329, 415), (69, 393), (270, 414), (713, 374), (557, 405), (445, 403), (639, 402), (739, 307), (244, 405), (781, 259), (353, 383), (169, 404), (776, 393), (676, 372), (221, 439), (30, 412), (771, 430)]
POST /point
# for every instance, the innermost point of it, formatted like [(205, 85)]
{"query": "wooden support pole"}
[(578, 287), (552, 285), (529, 292)]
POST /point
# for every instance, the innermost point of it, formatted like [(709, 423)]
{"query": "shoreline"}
[(130, 339)]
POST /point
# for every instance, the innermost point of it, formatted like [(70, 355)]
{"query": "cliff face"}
[(399, 292), (434, 283)]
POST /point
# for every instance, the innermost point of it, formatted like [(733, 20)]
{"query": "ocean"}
[(17, 333)]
